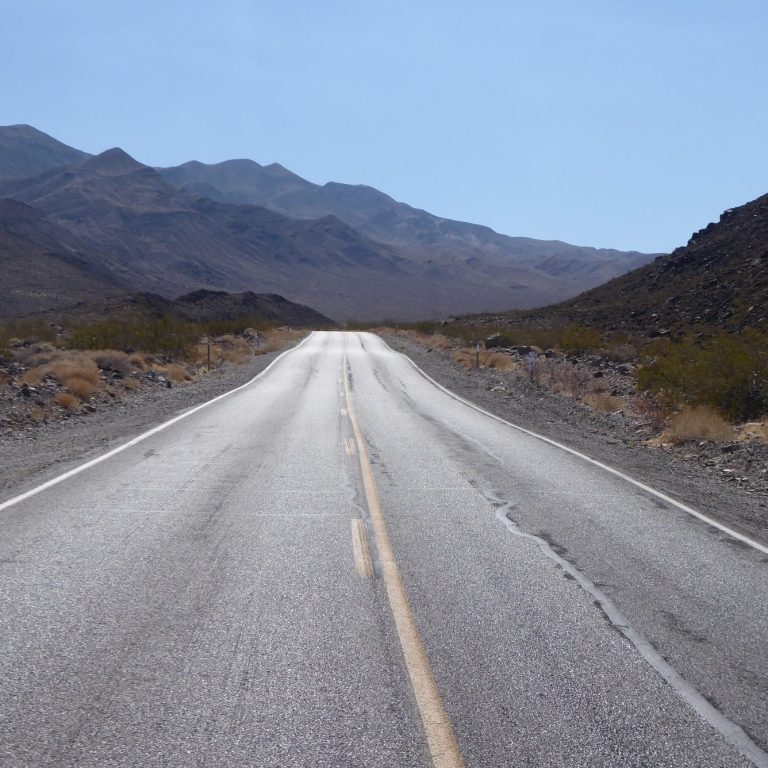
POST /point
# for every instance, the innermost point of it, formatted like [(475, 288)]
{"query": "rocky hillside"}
[(44, 266), (196, 307), (718, 280)]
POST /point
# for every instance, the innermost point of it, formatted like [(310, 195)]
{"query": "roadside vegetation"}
[(48, 371), (699, 385)]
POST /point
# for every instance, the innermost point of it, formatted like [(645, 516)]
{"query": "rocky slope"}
[(196, 307), (43, 265), (718, 280)]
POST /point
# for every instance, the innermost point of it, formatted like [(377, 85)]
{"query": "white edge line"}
[(730, 731), (725, 529), (60, 478)]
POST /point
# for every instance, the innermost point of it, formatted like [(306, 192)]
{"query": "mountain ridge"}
[(167, 232)]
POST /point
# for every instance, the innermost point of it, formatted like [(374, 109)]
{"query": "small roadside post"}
[(531, 364), (477, 352), (208, 339)]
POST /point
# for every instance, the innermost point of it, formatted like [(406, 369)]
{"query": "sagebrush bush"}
[(604, 402), (80, 388), (113, 360), (500, 362), (726, 372), (699, 422), (65, 399)]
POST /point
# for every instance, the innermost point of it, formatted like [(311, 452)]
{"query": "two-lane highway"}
[(339, 564)]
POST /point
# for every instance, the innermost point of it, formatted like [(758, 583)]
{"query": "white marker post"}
[(531, 363)]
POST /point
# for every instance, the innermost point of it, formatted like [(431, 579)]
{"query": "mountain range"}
[(115, 225)]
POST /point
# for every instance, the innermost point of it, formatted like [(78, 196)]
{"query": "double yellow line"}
[(441, 739)]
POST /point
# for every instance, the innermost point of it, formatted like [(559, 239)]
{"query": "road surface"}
[(340, 564)]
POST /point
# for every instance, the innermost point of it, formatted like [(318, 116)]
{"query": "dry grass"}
[(601, 401), (175, 372), (113, 360), (438, 341), (80, 388), (699, 423), (65, 400), (754, 430), (138, 361), (4, 378), (501, 362), (131, 384), (467, 358), (563, 378)]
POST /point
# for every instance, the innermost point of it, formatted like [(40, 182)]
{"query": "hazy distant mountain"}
[(425, 237), (718, 280), (348, 251), (43, 265), (25, 151), (153, 236)]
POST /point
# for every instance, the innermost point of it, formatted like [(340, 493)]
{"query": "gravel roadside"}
[(35, 454), (726, 482)]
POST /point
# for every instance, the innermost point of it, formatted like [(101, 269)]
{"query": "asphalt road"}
[(205, 597)]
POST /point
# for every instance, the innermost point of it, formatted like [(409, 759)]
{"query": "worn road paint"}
[(362, 551), (443, 747), (349, 446)]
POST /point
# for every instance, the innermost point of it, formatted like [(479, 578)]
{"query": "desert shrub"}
[(563, 377), (500, 362), (699, 422), (578, 338), (755, 430), (164, 336), (28, 329), (138, 361), (80, 388), (33, 376), (131, 384), (650, 408), (726, 372), (601, 401), (241, 324), (78, 367), (65, 399), (176, 373), (4, 378), (113, 360)]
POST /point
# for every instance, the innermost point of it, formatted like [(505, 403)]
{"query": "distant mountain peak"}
[(112, 162), (26, 151)]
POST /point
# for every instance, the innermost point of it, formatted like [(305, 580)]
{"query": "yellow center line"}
[(441, 739)]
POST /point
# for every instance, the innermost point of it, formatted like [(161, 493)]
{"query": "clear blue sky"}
[(614, 123)]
